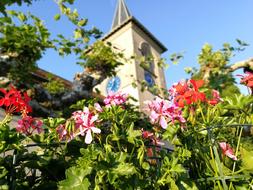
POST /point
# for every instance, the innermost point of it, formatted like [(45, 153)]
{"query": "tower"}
[(130, 37)]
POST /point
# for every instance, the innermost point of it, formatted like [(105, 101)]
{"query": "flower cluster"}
[(114, 99), (187, 93), (247, 79), (84, 125), (28, 125), (14, 101), (215, 98), (63, 133), (227, 150), (162, 112)]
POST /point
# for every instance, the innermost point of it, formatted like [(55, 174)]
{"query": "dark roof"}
[(42, 75)]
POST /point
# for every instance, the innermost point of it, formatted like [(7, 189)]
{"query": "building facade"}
[(131, 38)]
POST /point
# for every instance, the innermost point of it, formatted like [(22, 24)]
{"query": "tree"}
[(215, 68), (23, 44)]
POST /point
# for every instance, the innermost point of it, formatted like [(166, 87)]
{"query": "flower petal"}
[(223, 146), (93, 119), (230, 154), (163, 122), (88, 137), (95, 130), (98, 107)]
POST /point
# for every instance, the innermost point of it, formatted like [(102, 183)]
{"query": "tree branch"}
[(241, 64)]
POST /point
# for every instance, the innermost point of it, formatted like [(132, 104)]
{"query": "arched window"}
[(146, 52), (149, 63)]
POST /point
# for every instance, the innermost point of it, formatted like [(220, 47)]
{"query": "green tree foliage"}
[(213, 69), (102, 58), (5, 3), (23, 42)]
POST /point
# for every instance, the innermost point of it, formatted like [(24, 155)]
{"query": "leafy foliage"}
[(102, 58), (213, 69), (5, 3), (23, 43)]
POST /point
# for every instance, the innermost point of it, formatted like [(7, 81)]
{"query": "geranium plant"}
[(183, 143)]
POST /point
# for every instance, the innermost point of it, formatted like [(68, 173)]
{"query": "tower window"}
[(149, 64), (146, 52)]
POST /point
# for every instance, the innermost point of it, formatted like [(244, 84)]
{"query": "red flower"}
[(181, 88), (14, 101), (188, 93)]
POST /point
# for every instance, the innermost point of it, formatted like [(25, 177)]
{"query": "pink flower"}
[(216, 98), (114, 99), (227, 150), (98, 107), (62, 132), (247, 80), (28, 125), (85, 124), (162, 112)]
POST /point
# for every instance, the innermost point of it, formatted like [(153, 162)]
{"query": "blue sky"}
[(181, 25)]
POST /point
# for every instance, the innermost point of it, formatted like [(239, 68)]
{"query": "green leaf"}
[(124, 169), (22, 17), (242, 43), (3, 172), (141, 153), (247, 160), (189, 185), (82, 22), (132, 134), (77, 34), (57, 17), (145, 165), (75, 180)]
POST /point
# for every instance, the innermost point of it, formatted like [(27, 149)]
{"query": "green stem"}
[(5, 120), (236, 152), (131, 155), (202, 114), (208, 115), (118, 144), (215, 169), (218, 162)]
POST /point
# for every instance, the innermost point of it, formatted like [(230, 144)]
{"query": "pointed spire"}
[(121, 14)]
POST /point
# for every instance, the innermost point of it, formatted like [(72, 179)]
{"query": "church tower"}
[(130, 37)]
